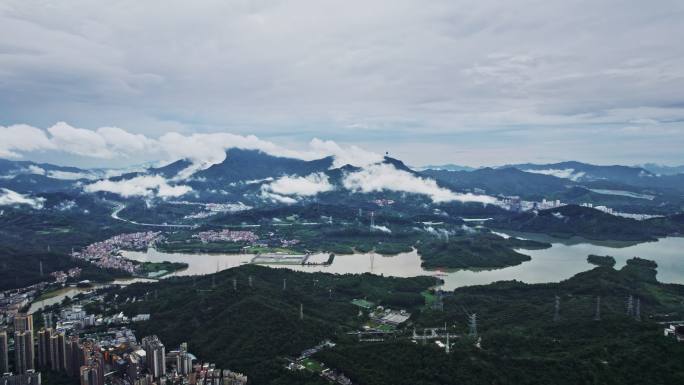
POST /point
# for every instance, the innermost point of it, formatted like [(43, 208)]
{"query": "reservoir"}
[(561, 261)]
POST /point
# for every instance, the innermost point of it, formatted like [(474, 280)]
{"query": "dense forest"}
[(572, 220), (521, 338)]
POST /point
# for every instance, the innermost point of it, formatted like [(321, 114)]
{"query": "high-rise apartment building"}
[(4, 352), (156, 356), (24, 358)]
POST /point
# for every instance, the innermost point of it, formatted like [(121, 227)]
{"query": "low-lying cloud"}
[(382, 176), (384, 229), (141, 186), (567, 173), (202, 149), (58, 174), (287, 189), (13, 198)]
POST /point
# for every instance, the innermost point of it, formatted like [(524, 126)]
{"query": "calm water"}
[(564, 259), (58, 295)]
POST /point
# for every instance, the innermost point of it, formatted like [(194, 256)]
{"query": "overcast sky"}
[(467, 82)]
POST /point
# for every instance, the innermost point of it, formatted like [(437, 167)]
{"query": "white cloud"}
[(269, 196), (143, 186), (353, 155), (121, 141), (12, 198), (20, 138), (79, 141), (384, 229), (309, 185), (287, 189), (202, 149), (68, 175), (567, 173), (380, 177), (33, 169)]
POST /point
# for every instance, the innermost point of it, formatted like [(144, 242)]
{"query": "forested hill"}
[(250, 328), (572, 220), (521, 338)]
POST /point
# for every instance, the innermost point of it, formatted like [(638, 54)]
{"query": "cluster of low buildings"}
[(62, 276), (115, 355), (515, 203), (389, 316), (105, 254), (75, 317), (675, 331), (332, 375), (384, 202), (12, 301), (226, 236), (608, 210)]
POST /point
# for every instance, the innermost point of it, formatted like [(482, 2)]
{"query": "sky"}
[(431, 82)]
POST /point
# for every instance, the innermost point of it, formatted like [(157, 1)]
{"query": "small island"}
[(160, 269), (482, 251)]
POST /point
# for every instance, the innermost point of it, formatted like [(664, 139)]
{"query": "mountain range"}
[(254, 177)]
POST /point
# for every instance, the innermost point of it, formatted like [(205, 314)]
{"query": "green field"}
[(312, 365), (430, 298), (362, 303)]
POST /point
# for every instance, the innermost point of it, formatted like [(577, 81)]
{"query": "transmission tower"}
[(329, 293), (284, 284), (372, 223), (637, 310), (301, 312), (234, 284), (41, 268), (472, 325), (250, 281), (447, 344), (630, 305), (556, 312), (597, 313)]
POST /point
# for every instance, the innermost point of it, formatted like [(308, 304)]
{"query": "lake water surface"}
[(563, 260)]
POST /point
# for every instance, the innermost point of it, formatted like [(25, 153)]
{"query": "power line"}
[(637, 311), (556, 312), (597, 313), (472, 325)]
